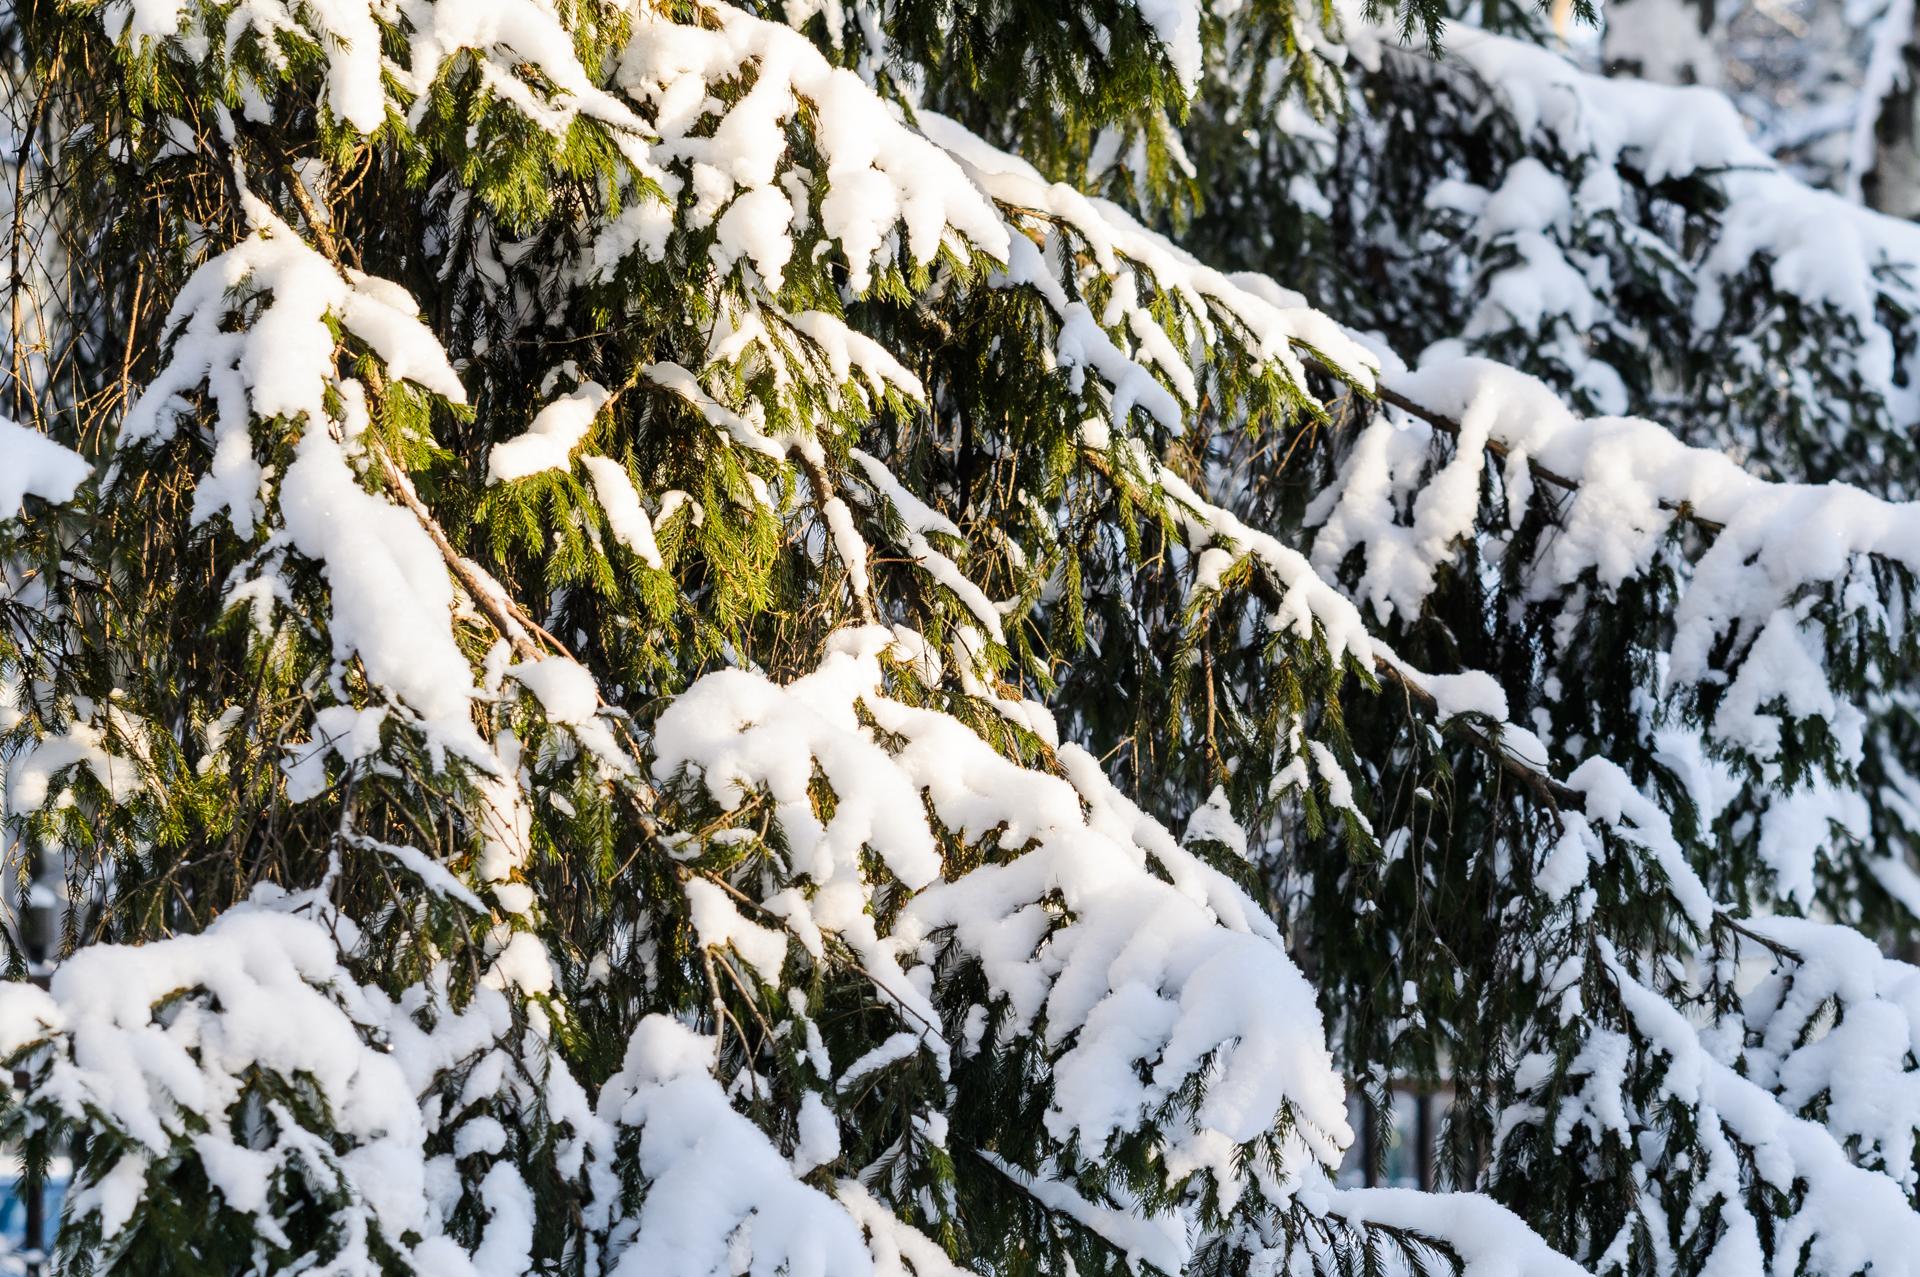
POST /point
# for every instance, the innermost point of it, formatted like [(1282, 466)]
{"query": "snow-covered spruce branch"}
[(1793, 1155), (1499, 450), (1625, 482), (1279, 571)]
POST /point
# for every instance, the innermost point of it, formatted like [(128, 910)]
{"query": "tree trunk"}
[(1892, 182)]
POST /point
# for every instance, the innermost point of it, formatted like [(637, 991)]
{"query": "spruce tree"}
[(842, 638)]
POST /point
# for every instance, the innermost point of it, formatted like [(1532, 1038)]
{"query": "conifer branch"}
[(1549, 792)]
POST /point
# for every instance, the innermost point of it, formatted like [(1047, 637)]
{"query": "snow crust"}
[(392, 598), (620, 500), (33, 465), (716, 1183), (549, 441)]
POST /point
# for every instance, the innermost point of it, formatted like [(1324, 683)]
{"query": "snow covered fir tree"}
[(864, 638)]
